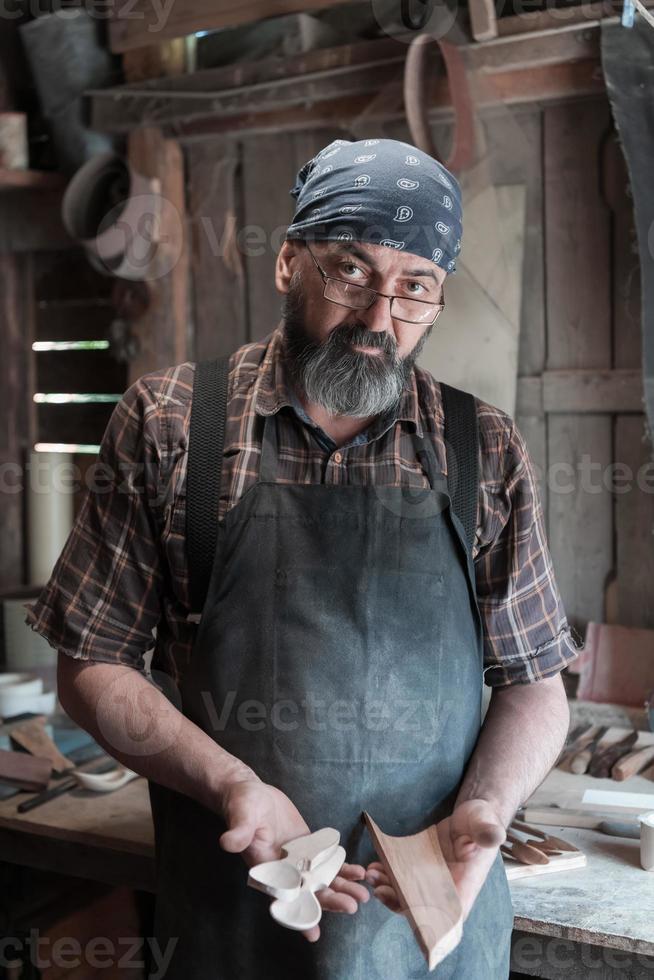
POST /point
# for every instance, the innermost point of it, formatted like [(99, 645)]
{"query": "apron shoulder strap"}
[(462, 449), (204, 465)]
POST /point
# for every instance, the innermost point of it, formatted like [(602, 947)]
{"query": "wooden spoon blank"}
[(526, 853), (543, 846), (31, 735), (602, 762), (424, 887), (549, 839), (632, 763)]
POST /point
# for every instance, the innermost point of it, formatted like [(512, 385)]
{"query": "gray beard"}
[(340, 379)]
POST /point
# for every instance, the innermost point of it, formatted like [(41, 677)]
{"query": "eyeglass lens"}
[(359, 298)]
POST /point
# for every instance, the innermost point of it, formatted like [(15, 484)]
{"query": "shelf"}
[(31, 180)]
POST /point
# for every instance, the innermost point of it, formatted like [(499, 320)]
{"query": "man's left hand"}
[(469, 839)]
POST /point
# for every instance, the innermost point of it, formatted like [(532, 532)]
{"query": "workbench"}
[(596, 921), (107, 837)]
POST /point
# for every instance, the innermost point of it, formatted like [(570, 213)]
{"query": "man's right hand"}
[(260, 818)]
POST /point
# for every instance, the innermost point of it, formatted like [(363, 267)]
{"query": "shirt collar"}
[(272, 387)]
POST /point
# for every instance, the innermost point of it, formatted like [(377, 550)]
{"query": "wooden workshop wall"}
[(578, 404)]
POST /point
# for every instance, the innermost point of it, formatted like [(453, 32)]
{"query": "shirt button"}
[(338, 457)]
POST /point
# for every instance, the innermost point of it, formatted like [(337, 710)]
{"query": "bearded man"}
[(337, 552)]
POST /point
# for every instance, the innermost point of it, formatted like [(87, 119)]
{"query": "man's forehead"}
[(383, 257)]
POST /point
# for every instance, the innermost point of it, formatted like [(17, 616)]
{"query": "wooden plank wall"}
[(18, 420), (580, 312), (601, 532)]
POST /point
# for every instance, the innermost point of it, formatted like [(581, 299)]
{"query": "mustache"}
[(358, 333)]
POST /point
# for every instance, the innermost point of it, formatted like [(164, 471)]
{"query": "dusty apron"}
[(339, 655)]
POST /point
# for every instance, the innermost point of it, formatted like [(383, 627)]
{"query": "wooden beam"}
[(167, 59), (16, 326), (558, 18), (142, 22), (483, 19), (162, 330), (343, 82), (560, 392), (38, 180), (593, 391), (218, 266)]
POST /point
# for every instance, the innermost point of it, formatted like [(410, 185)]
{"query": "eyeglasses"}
[(357, 297)]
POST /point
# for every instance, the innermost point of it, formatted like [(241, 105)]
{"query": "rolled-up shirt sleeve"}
[(103, 599), (526, 632)]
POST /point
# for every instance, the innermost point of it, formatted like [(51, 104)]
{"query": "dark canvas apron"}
[(341, 629)]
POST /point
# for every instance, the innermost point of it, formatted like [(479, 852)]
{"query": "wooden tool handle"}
[(632, 763), (620, 828)]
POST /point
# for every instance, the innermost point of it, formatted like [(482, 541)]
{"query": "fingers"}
[(313, 934), (375, 875), (237, 839), (345, 894), (344, 887), (354, 872), (382, 887), (387, 897)]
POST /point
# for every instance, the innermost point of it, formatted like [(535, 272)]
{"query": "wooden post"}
[(162, 329)]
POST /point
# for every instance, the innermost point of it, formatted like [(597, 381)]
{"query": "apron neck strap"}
[(269, 450)]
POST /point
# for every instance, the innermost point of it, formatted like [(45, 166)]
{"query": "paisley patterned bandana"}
[(380, 191)]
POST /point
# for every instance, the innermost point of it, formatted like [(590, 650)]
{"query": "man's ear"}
[(287, 263)]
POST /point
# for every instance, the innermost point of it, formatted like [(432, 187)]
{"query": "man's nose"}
[(377, 317)]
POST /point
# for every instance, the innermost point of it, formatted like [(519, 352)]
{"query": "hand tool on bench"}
[(562, 817), (102, 765)]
